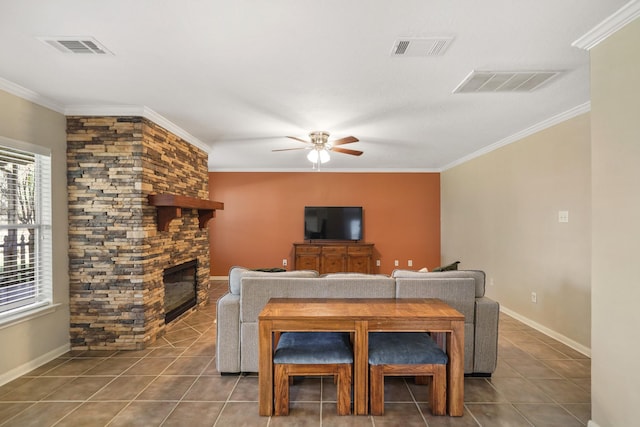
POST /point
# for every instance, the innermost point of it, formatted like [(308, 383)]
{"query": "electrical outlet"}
[(396, 263), (284, 262), (534, 297), (378, 263), (410, 263)]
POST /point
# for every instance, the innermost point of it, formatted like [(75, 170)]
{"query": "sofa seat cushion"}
[(404, 348), (313, 348)]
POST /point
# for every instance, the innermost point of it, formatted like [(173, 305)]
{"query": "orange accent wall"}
[(263, 215)]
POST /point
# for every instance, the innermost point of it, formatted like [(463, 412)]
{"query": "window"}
[(25, 227)]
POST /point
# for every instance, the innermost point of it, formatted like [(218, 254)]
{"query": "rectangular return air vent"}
[(420, 47), (504, 81), (76, 45)]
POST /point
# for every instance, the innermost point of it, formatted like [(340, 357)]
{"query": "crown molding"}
[(552, 121), (135, 110), (29, 95), (148, 113), (323, 170), (102, 110), (610, 25)]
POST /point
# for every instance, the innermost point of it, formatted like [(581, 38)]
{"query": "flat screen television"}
[(333, 223)]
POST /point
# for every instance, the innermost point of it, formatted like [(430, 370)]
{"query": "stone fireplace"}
[(117, 255)]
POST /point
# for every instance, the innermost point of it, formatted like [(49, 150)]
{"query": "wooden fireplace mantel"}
[(169, 207)]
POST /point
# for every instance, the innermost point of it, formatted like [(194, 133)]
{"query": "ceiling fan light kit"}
[(318, 155)]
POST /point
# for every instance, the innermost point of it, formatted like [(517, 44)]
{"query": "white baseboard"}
[(33, 364), (549, 332), (219, 277), (592, 423)]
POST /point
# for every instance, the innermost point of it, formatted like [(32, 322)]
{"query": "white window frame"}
[(42, 295)]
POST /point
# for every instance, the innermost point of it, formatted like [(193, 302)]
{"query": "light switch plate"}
[(563, 216)]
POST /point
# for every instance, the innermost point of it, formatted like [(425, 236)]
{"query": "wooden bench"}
[(313, 353), (407, 354)]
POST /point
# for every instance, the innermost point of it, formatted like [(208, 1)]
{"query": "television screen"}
[(333, 223)]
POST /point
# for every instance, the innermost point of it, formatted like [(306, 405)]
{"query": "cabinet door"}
[(334, 259), (307, 258), (359, 264), (359, 259), (307, 262)]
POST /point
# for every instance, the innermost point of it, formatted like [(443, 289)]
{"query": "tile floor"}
[(539, 382)]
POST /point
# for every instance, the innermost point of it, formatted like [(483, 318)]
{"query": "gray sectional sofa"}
[(237, 311)]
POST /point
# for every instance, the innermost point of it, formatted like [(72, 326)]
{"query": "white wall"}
[(615, 130), (27, 344), (500, 215)]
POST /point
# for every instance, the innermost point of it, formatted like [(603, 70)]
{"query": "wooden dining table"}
[(361, 316)]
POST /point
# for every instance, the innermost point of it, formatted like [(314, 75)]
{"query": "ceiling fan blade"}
[(299, 139), (345, 140), (289, 149), (347, 151)]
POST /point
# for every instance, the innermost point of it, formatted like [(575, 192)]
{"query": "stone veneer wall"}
[(116, 254)]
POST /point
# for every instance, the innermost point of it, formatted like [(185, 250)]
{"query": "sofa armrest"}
[(228, 333), (487, 312)]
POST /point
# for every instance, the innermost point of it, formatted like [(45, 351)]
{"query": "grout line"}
[(215, 423), (193, 383), (30, 406), (322, 399), (472, 416), (521, 414), (415, 401), (562, 405)]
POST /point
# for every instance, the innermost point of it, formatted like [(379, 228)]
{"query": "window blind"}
[(25, 230)]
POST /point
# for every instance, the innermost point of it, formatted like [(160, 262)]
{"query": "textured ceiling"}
[(238, 76)]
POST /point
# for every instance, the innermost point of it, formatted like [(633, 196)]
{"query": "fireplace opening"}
[(180, 289)]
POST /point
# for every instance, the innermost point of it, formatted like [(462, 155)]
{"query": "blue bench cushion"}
[(404, 348), (317, 348)]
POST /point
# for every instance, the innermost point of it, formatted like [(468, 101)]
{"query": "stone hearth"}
[(117, 256)]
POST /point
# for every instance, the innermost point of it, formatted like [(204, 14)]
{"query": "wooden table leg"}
[(265, 368), (361, 368), (455, 370)]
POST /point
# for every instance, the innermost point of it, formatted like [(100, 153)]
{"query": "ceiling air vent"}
[(504, 81), (421, 47), (76, 45)]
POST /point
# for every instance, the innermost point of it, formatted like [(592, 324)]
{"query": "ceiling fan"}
[(320, 147)]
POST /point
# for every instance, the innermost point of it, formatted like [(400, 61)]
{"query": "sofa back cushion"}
[(256, 291), (355, 276), (236, 274), (457, 292), (477, 275)]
